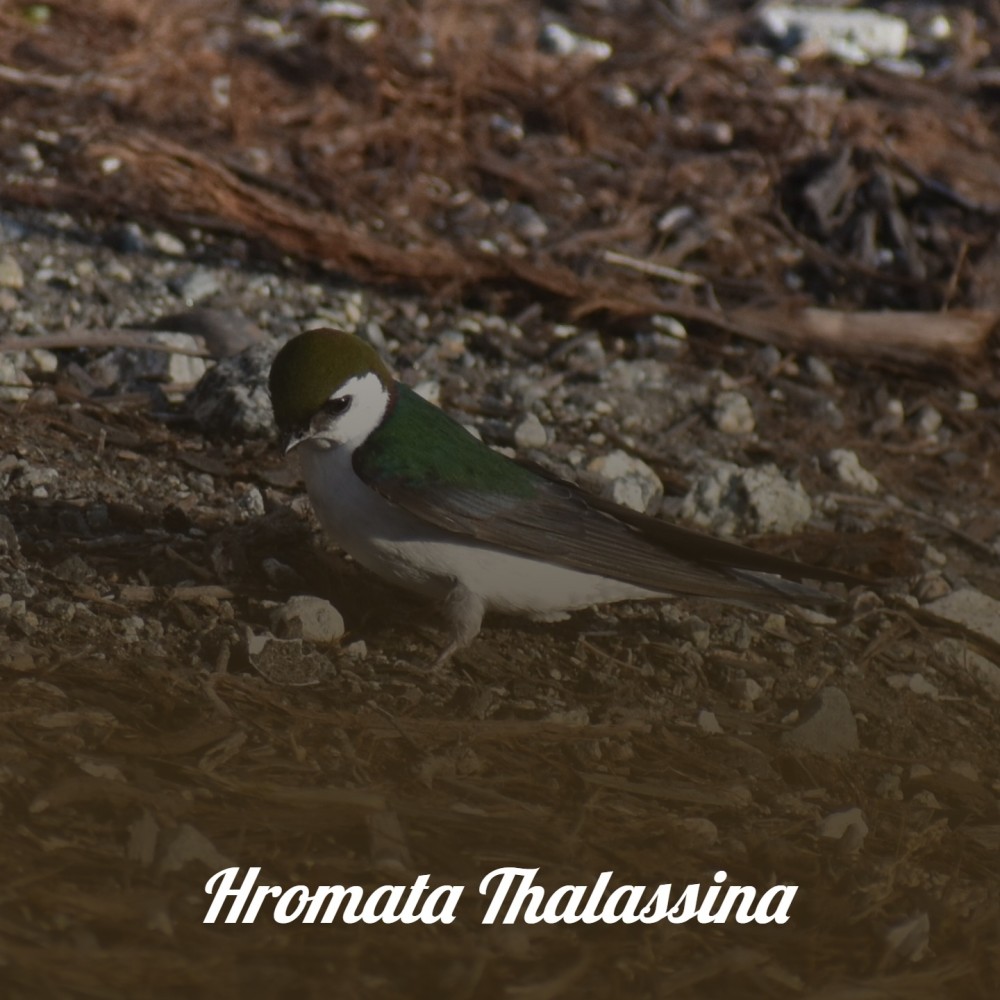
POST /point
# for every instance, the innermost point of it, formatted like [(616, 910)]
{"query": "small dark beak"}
[(290, 440)]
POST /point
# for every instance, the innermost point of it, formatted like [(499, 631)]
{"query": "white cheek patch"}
[(369, 402)]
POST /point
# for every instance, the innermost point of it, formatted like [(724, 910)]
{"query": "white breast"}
[(420, 557)]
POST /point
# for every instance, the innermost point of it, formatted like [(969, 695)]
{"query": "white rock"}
[(561, 41), (250, 503), (530, 433), (526, 223), (37, 475), (927, 420), (847, 825), (854, 36), (197, 286), (619, 95), (11, 275), (707, 722), (168, 244), (732, 413), (892, 415), (971, 608), (343, 9), (889, 787), (429, 390), (182, 368), (125, 364), (968, 402), (15, 385), (846, 466), (746, 689), (41, 360), (627, 480), (731, 501), (920, 685), (310, 618), (916, 683)]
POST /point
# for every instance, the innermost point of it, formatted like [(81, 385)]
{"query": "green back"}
[(423, 447)]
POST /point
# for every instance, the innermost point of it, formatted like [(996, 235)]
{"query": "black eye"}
[(338, 405)]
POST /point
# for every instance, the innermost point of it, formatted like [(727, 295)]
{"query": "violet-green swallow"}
[(414, 497)]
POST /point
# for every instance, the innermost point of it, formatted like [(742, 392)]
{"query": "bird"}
[(417, 499)]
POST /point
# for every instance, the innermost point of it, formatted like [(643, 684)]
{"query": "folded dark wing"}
[(561, 524)]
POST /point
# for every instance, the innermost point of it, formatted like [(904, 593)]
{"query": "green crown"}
[(311, 366)]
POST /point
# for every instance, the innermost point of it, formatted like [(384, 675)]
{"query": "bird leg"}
[(464, 612)]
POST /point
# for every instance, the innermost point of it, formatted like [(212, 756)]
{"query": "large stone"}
[(232, 399), (628, 481), (735, 501), (971, 608)]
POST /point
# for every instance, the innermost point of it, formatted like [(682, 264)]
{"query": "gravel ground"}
[(153, 545)]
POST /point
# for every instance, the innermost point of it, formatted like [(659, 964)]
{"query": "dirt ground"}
[(447, 181)]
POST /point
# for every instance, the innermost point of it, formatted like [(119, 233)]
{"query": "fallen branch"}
[(908, 338)]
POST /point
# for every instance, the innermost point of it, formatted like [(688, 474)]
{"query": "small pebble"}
[(846, 466), (193, 288), (250, 503), (560, 41), (530, 433), (708, 723), (746, 690), (819, 372), (15, 385), (916, 683), (429, 389), (889, 786), (310, 618), (11, 275), (168, 244), (732, 414), (848, 826), (927, 421), (931, 587)]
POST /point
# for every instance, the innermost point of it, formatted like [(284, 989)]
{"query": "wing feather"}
[(536, 514)]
